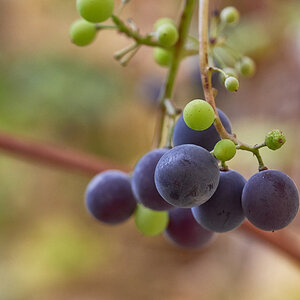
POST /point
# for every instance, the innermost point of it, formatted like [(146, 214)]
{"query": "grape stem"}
[(206, 75), (167, 108)]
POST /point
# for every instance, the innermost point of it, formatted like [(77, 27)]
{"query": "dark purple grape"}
[(207, 139), (143, 185), (270, 200), (187, 176), (223, 211), (184, 231), (109, 197)]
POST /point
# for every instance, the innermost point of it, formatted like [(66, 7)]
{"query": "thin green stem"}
[(102, 26), (118, 55), (178, 54)]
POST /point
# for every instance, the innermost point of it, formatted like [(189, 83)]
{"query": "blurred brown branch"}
[(74, 160)]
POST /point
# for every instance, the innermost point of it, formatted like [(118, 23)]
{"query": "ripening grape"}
[(246, 66), (109, 197), (270, 200), (198, 115), (167, 35), (230, 15), (231, 84), (224, 150), (187, 176), (163, 21), (143, 185), (184, 231), (95, 10), (82, 33), (162, 56), (207, 139), (223, 211), (150, 222), (275, 139)]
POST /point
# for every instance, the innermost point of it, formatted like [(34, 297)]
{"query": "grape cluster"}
[(183, 193), (187, 192)]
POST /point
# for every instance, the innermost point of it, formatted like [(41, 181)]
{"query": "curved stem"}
[(206, 74)]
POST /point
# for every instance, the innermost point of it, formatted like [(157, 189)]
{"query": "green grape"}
[(230, 15), (167, 35), (82, 33), (246, 66), (231, 84), (162, 56), (275, 139), (230, 72), (198, 115), (224, 150), (150, 222), (163, 21), (95, 10)]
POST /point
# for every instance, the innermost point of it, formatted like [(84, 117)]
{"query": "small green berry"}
[(167, 35), (82, 33), (246, 66), (224, 150), (275, 139), (230, 72), (231, 84), (150, 222), (162, 56), (163, 21), (198, 115), (230, 15), (95, 10)]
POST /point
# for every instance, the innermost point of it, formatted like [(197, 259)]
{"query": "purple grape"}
[(270, 200), (143, 185), (184, 231), (207, 139), (223, 211), (109, 197), (187, 176)]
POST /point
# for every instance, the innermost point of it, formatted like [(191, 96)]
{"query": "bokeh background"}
[(50, 90)]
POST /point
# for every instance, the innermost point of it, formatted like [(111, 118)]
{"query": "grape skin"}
[(207, 139), (143, 185), (109, 197), (223, 211), (270, 200), (184, 231), (187, 176)]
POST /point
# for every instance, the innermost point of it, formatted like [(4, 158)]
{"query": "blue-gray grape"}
[(184, 231), (109, 197), (207, 138), (187, 176), (223, 211), (143, 185), (270, 200)]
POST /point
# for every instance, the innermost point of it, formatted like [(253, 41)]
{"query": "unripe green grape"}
[(246, 66), (150, 222), (82, 33), (162, 56), (231, 84), (198, 115), (163, 21), (224, 150), (95, 10), (230, 15), (167, 35), (275, 139), (230, 72)]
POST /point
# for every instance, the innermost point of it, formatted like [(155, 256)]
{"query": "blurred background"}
[(52, 91)]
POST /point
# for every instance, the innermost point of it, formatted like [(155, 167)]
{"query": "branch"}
[(73, 160)]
